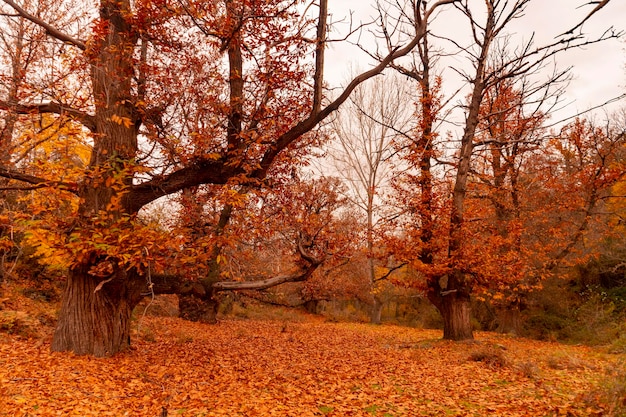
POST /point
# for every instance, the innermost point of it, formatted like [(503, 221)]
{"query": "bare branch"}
[(600, 4), (51, 30), (85, 119), (391, 271), (263, 284), (314, 119)]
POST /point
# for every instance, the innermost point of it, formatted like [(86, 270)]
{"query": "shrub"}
[(492, 356), (18, 323), (610, 396)]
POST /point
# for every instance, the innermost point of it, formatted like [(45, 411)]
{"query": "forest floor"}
[(308, 367)]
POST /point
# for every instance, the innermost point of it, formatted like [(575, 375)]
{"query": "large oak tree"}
[(173, 95)]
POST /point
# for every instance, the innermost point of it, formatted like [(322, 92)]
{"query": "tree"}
[(365, 129), (271, 236), (175, 95), (22, 49), (451, 265)]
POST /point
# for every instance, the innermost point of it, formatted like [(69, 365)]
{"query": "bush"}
[(545, 325), (619, 345), (492, 356), (19, 323), (575, 313), (610, 396)]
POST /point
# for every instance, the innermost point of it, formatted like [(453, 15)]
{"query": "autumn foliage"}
[(165, 147)]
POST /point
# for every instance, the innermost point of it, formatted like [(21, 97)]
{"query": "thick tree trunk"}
[(95, 315), (509, 319), (201, 309), (197, 301), (451, 296), (457, 317), (96, 311), (311, 306)]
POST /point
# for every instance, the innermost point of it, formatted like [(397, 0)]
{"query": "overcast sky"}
[(599, 71)]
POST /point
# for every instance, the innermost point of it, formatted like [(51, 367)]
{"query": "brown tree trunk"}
[(311, 306), (95, 314), (200, 303), (451, 296), (509, 319), (198, 308), (377, 311), (456, 311)]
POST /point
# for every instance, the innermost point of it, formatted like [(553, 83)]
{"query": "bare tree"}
[(366, 129)]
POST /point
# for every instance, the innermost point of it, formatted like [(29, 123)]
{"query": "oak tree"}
[(173, 95)]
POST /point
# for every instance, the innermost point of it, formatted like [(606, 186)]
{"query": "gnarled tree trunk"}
[(197, 303), (457, 314), (451, 296), (96, 313), (509, 318), (100, 293)]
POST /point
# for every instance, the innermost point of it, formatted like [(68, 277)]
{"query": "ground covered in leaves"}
[(306, 368)]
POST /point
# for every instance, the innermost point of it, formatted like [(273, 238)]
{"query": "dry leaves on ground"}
[(266, 368)]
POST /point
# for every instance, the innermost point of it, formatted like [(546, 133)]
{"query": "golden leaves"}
[(255, 368), (125, 121)]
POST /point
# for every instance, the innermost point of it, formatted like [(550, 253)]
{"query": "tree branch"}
[(390, 271), (600, 4), (51, 30), (202, 172), (314, 119), (36, 181), (265, 283), (175, 284), (85, 119)]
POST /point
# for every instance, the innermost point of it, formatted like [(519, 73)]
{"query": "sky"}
[(599, 71)]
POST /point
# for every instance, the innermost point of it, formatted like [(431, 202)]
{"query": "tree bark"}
[(96, 311), (311, 306), (95, 314), (450, 294), (509, 319), (200, 309), (456, 311), (377, 311)]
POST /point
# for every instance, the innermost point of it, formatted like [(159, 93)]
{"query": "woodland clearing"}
[(308, 367)]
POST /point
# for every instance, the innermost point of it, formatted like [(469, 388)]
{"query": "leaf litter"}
[(272, 368)]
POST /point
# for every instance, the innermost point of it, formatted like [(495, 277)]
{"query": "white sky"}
[(599, 70)]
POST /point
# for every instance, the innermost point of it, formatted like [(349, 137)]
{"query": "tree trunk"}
[(311, 306), (451, 296), (95, 315), (200, 309), (377, 311), (509, 319), (457, 317), (96, 311), (197, 301)]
